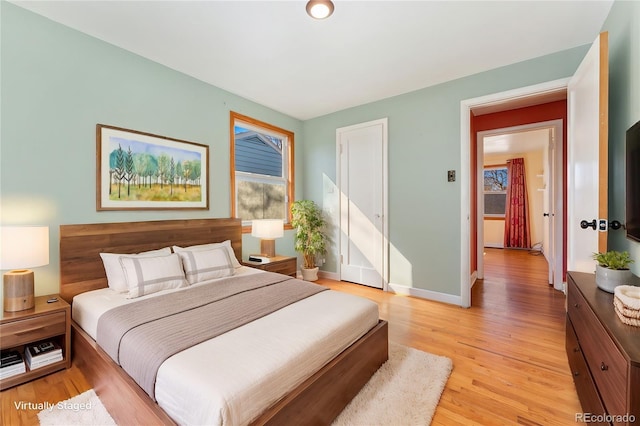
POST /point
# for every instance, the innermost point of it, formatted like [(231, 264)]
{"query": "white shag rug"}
[(84, 409), (405, 390)]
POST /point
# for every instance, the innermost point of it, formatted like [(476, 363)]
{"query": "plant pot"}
[(310, 274), (608, 279)]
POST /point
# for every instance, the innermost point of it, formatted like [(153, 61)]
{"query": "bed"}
[(274, 379)]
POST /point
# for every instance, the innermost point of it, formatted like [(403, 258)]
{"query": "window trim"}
[(493, 216), (234, 118)]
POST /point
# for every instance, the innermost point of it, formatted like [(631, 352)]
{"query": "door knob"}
[(593, 224), (601, 225), (547, 214)]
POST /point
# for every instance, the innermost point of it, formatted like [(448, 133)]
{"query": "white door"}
[(548, 221), (587, 103), (553, 210), (362, 184)]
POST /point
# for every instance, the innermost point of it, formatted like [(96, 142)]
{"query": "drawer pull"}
[(603, 366), (577, 305), (30, 330), (576, 373), (576, 349)]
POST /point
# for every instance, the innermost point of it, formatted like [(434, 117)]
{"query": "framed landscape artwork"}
[(142, 171)]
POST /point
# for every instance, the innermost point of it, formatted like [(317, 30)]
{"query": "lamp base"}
[(18, 290), (268, 247)]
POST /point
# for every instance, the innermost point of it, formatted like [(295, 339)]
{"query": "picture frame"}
[(142, 171)]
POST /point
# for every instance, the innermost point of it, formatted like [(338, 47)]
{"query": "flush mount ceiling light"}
[(320, 9)]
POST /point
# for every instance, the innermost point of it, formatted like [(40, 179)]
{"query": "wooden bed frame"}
[(317, 401)]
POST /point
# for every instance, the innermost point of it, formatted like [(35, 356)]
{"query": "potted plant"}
[(310, 239), (612, 269)]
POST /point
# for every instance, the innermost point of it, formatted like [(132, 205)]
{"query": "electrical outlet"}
[(451, 176)]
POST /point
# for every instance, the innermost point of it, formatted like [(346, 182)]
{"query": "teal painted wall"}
[(424, 142), (57, 84), (623, 25)]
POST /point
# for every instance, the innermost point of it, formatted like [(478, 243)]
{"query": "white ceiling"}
[(271, 52), (516, 142)]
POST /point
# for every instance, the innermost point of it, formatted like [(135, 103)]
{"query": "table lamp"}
[(21, 247), (268, 230)]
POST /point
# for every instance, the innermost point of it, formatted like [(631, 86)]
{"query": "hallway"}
[(515, 277)]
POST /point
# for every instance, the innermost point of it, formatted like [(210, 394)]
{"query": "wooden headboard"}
[(81, 267)]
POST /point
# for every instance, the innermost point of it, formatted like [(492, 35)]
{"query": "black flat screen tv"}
[(632, 218)]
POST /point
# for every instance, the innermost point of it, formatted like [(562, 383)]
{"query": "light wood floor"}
[(508, 354), (508, 350)]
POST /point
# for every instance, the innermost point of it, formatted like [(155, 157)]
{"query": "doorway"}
[(540, 145), (498, 103)]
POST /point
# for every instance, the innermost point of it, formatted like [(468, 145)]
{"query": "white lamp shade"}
[(24, 246), (267, 228)]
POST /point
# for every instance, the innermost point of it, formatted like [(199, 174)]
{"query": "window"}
[(495, 191), (261, 170)]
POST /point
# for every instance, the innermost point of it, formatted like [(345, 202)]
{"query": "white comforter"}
[(231, 379)]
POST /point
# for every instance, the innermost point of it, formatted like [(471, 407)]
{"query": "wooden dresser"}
[(604, 355)]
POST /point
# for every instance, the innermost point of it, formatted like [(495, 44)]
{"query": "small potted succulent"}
[(310, 239), (612, 269)]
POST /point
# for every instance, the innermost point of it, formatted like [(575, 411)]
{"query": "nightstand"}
[(45, 321), (286, 265)]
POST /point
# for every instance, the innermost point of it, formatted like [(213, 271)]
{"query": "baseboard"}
[(425, 294), (329, 275), (474, 278), (493, 245), (411, 291)]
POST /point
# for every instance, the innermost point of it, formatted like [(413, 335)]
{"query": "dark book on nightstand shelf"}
[(11, 363), (8, 358)]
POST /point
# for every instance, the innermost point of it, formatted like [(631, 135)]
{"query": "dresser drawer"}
[(589, 398), (287, 267), (29, 330), (607, 364)]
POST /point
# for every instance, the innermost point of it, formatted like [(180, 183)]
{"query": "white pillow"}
[(115, 275), (200, 265), (226, 244), (147, 275)]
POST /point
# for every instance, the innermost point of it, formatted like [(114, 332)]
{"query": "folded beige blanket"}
[(626, 320), (624, 310), (629, 296)]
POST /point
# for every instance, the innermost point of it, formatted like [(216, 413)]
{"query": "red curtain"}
[(516, 218)]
